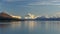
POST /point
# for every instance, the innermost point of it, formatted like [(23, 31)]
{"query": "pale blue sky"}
[(36, 7)]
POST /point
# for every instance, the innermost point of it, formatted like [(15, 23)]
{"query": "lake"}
[(30, 27)]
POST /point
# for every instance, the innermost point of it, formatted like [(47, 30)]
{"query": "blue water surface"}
[(30, 27)]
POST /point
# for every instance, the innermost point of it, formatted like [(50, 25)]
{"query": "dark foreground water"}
[(30, 27)]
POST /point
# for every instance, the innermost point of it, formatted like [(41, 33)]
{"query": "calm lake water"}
[(30, 27)]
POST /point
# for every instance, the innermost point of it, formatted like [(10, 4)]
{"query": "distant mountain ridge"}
[(6, 17), (48, 19)]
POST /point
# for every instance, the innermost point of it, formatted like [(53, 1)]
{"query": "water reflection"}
[(4, 25), (53, 26), (16, 25), (4, 28), (30, 27)]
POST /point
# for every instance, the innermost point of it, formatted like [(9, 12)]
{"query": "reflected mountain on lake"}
[(30, 27)]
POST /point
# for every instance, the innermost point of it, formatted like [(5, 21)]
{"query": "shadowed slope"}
[(6, 17)]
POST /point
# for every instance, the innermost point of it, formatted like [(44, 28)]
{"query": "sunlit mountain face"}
[(16, 17), (5, 15)]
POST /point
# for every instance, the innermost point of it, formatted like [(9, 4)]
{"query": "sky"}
[(36, 7)]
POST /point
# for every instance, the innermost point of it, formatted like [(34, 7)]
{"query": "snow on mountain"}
[(48, 17)]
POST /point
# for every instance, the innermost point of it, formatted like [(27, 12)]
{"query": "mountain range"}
[(6, 17), (48, 18)]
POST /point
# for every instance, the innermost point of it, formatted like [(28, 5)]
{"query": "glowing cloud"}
[(30, 16), (16, 17)]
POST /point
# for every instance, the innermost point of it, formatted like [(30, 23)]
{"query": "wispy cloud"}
[(57, 14), (45, 3), (13, 0), (40, 3), (53, 15), (55, 0)]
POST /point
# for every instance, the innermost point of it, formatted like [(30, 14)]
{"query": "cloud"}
[(21, 0), (40, 3), (13, 0), (45, 3), (57, 14), (55, 0)]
